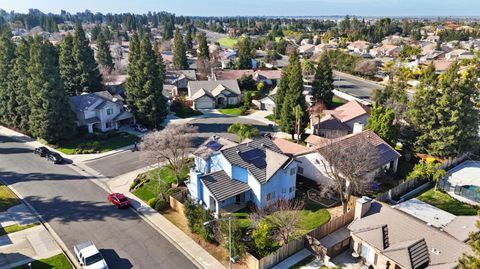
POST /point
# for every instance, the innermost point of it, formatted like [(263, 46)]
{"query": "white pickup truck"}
[(89, 256)]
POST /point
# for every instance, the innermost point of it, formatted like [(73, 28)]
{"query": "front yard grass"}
[(185, 112), (231, 111), (228, 42), (151, 188), (58, 261), (97, 143), (445, 202), (7, 198), (15, 228)]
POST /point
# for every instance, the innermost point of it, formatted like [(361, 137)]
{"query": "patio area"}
[(345, 260)]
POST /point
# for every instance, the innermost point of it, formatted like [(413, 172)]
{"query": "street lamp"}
[(230, 258)]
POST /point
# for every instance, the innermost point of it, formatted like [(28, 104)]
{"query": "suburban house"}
[(311, 160), (100, 110), (341, 120), (268, 102), (214, 93), (180, 78), (267, 77), (320, 48), (359, 46), (385, 237), (386, 50), (306, 50), (458, 54), (227, 175)]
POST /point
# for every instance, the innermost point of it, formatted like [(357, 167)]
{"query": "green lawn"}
[(97, 143), (185, 112), (336, 102), (7, 198), (59, 261), (231, 111), (15, 228), (228, 42), (270, 117), (444, 201), (313, 216), (151, 189)]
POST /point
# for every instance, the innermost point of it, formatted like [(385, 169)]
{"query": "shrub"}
[(196, 215), (261, 239), (160, 205), (132, 185), (152, 201)]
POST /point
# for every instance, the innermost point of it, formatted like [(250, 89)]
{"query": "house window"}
[(292, 171), (367, 253), (291, 189), (300, 170), (109, 111)]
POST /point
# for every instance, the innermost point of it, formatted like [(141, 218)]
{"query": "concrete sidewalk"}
[(171, 232)]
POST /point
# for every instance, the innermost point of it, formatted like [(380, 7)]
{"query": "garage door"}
[(203, 103)]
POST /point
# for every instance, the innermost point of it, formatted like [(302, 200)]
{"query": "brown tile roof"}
[(290, 148), (405, 233), (317, 141)]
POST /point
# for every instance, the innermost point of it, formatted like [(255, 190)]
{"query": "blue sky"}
[(258, 7)]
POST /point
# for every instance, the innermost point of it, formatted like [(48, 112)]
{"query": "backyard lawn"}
[(151, 188), (97, 143), (228, 42), (185, 112), (231, 111), (7, 198), (58, 261), (15, 228), (444, 201)]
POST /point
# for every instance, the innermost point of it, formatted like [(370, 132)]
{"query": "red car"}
[(119, 200)]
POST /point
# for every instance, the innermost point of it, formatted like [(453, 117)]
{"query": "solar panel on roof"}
[(251, 154), (259, 162), (214, 145)]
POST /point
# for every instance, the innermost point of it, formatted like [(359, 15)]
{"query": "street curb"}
[(70, 257)]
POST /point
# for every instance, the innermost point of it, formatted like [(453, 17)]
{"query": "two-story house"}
[(100, 110), (229, 175), (214, 93)]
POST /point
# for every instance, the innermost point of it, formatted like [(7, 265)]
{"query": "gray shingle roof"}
[(209, 85), (405, 234), (85, 101), (222, 187), (260, 173)]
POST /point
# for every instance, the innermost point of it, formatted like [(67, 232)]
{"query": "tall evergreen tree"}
[(95, 31), (245, 53), (179, 54), (381, 122), (444, 113), (145, 94), (322, 85), (51, 117), (19, 103), (7, 59), (68, 66), (88, 77), (281, 91), (203, 46), (293, 97), (188, 41), (161, 64), (104, 55)]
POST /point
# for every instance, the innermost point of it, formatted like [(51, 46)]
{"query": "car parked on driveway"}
[(119, 200), (55, 157), (42, 151), (139, 128)]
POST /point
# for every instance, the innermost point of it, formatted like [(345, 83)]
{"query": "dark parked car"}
[(139, 128), (55, 158), (42, 151)]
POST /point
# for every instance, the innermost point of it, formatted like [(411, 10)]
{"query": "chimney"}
[(357, 127), (362, 206)]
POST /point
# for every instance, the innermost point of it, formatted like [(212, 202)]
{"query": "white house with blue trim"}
[(227, 175)]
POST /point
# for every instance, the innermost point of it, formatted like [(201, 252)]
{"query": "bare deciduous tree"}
[(366, 68), (349, 165), (283, 215), (172, 145)]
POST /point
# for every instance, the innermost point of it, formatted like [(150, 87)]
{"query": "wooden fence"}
[(176, 202), (333, 225), (401, 189), (276, 257)]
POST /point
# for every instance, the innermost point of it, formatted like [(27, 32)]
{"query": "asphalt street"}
[(124, 162), (355, 87), (77, 210)]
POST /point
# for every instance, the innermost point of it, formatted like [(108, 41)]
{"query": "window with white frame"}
[(109, 111), (368, 253)]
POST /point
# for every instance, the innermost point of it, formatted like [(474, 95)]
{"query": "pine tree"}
[(7, 58), (51, 117), (245, 53), (444, 113), (160, 63), (68, 66), (144, 94), (322, 85), (203, 46), (104, 55), (19, 105), (293, 97), (281, 91), (95, 32), (381, 122), (179, 54), (188, 41), (88, 77)]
